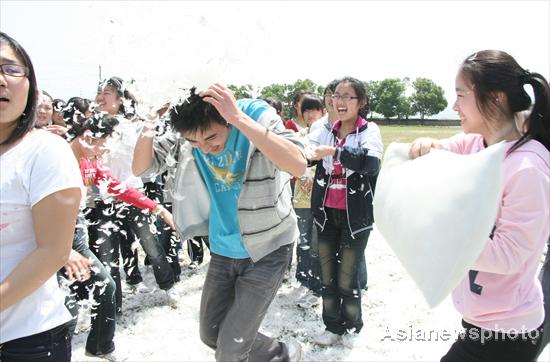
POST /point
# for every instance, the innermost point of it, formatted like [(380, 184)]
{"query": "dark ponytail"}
[(492, 71), (537, 124)]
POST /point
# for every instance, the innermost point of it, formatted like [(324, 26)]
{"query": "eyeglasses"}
[(345, 97), (14, 70)]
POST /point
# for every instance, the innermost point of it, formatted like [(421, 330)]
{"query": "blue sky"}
[(168, 44)]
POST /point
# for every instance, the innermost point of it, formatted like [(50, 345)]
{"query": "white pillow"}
[(437, 211)]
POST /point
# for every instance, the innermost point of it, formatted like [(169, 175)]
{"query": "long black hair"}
[(28, 118), (492, 71)]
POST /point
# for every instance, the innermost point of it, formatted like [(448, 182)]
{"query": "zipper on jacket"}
[(323, 203)]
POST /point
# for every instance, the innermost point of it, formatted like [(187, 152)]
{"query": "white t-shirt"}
[(121, 153), (41, 164)]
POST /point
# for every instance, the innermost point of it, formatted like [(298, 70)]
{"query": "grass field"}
[(406, 134)]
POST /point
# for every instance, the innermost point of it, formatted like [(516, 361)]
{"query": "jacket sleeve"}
[(358, 160), (165, 154), (121, 191), (522, 226), (366, 158)]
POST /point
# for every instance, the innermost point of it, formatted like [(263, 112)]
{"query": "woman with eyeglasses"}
[(348, 155), (40, 191), (500, 298)]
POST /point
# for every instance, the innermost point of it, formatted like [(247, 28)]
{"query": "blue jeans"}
[(340, 256), (53, 345), (235, 298), (111, 220), (102, 289)]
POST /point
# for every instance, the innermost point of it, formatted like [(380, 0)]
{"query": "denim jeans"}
[(53, 345), (112, 230), (101, 287), (308, 269), (340, 256), (235, 298)]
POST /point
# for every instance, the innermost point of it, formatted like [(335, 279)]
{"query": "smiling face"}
[(108, 100), (346, 103), (13, 90), (44, 110), (471, 119), (212, 140)]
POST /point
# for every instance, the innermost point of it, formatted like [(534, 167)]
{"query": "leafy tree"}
[(390, 97), (428, 98), (243, 91), (373, 91), (404, 109)]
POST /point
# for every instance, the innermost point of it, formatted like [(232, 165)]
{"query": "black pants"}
[(480, 345), (49, 346), (110, 232)]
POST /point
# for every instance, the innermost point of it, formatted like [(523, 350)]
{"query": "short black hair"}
[(101, 125), (74, 114), (58, 105), (275, 103), (311, 101), (194, 114)]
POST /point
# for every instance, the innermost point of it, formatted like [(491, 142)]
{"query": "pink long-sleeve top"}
[(95, 171), (505, 294)]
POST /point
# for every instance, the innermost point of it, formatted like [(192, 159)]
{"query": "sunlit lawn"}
[(406, 134)]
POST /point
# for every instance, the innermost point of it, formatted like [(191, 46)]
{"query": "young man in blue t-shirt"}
[(233, 161)]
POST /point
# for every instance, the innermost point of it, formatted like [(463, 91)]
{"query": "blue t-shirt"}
[(223, 174)]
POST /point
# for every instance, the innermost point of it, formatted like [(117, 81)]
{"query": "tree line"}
[(386, 97)]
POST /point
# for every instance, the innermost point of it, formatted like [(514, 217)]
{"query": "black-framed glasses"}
[(345, 97), (14, 70)]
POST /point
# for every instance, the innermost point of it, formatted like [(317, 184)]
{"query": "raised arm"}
[(279, 150), (144, 152)]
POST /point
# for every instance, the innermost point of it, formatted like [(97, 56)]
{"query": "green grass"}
[(407, 134)]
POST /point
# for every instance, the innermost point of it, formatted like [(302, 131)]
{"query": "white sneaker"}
[(326, 339), (172, 296), (139, 288), (308, 301), (294, 351), (113, 356)]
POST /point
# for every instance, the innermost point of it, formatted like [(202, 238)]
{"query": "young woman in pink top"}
[(500, 299)]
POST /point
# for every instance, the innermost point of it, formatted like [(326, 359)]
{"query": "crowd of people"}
[(90, 186)]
